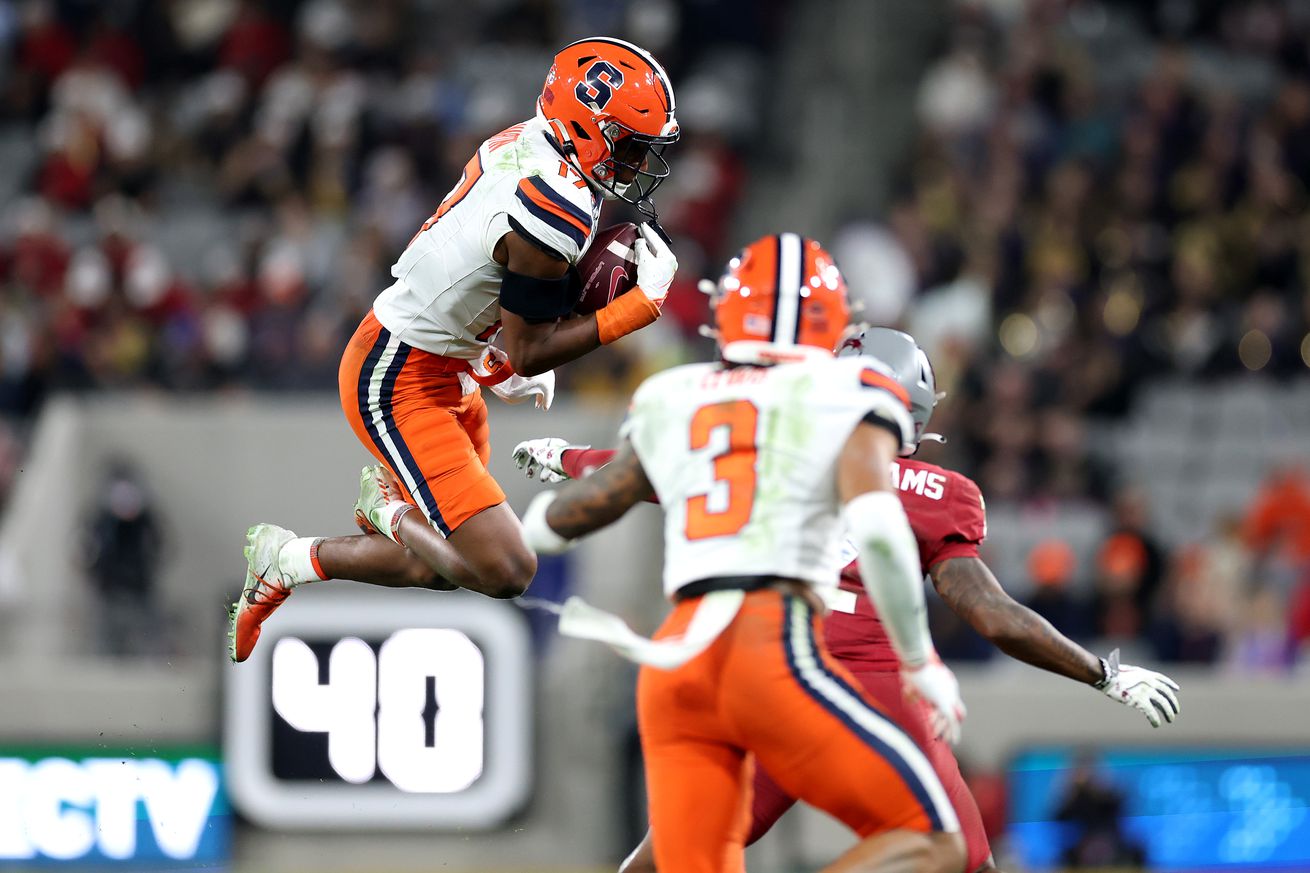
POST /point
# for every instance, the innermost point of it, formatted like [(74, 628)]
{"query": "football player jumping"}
[(948, 518), (493, 259), (764, 464)]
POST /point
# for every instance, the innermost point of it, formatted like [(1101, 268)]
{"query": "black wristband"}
[(1105, 676)]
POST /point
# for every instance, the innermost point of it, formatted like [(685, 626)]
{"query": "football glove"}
[(493, 370), (656, 264), (936, 684), (1146, 691), (543, 459), (516, 389)]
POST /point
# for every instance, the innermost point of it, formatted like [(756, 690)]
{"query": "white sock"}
[(389, 519), (298, 561)]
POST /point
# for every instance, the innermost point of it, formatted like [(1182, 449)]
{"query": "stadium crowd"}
[(1110, 220), (206, 196)]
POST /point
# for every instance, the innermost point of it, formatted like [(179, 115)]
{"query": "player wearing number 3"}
[(763, 464), (947, 517), (491, 263)]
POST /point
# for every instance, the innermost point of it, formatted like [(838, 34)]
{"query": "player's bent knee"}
[(508, 575)]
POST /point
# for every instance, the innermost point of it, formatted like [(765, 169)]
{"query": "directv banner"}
[(120, 808)]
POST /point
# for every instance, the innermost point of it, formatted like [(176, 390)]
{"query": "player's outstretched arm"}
[(534, 297), (557, 518), (972, 592)]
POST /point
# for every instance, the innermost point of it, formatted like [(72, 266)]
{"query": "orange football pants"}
[(408, 409), (768, 687)]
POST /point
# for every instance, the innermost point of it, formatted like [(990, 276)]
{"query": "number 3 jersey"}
[(744, 462), (446, 297)]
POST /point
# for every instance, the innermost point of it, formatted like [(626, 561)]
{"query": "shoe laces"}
[(266, 593), (387, 490)]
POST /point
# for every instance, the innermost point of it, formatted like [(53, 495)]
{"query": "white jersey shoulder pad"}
[(551, 205)]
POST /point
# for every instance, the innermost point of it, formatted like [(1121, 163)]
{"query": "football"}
[(608, 269)]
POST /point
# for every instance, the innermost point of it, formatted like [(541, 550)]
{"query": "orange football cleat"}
[(264, 591)]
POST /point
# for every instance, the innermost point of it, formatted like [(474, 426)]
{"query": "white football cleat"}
[(265, 589), (377, 488)]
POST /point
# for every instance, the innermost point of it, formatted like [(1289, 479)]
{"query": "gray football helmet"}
[(908, 363)]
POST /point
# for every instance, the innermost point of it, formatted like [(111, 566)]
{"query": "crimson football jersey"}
[(949, 520)]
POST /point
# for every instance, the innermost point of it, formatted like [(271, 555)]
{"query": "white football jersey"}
[(744, 463), (446, 297)]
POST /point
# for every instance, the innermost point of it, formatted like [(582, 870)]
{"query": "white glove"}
[(518, 388), (936, 684), (492, 370), (543, 459), (656, 264), (1148, 692)]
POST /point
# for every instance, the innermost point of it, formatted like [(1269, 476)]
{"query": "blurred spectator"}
[(1095, 808), (1262, 641), (1130, 567), (878, 271), (1278, 521), (1051, 566), (1298, 632), (124, 547), (1118, 601), (312, 137), (1192, 617), (1277, 530), (1125, 222)]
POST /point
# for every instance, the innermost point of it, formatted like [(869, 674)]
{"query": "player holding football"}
[(493, 259), (947, 516), (764, 464)]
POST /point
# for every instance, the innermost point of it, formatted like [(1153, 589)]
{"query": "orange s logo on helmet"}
[(609, 106), (782, 299)]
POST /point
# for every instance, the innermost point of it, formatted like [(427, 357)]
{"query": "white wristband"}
[(537, 534)]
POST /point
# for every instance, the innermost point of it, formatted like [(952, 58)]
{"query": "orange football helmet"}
[(609, 107), (781, 299)]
